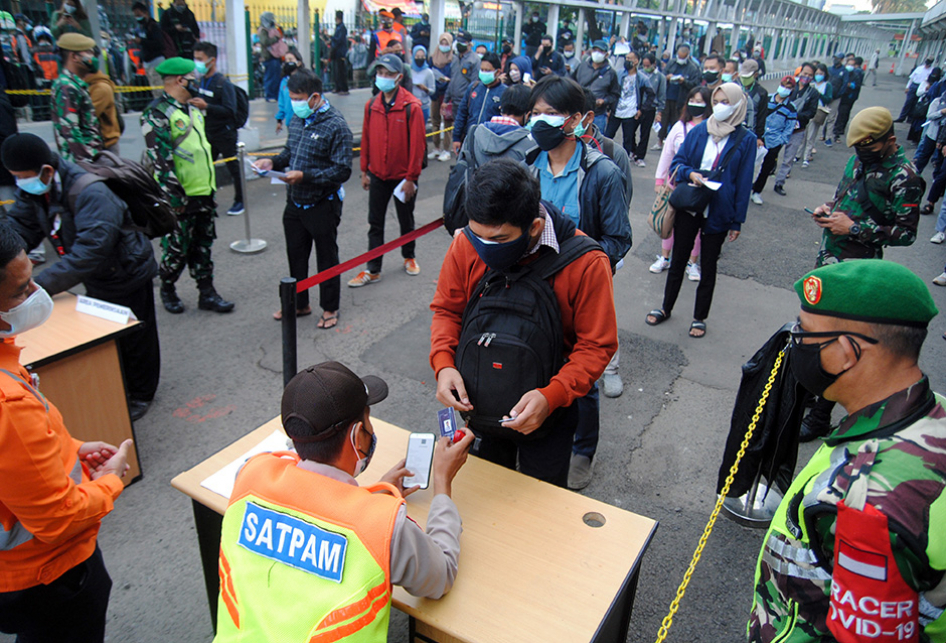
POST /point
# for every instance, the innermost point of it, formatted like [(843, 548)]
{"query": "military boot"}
[(172, 303), (210, 300)]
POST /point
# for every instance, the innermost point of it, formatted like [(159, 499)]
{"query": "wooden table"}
[(80, 371), (531, 569)]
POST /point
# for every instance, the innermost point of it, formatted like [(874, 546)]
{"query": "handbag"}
[(821, 115), (695, 198), (662, 213), (446, 111)]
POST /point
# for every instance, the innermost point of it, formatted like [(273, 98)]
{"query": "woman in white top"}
[(692, 114), (422, 76)]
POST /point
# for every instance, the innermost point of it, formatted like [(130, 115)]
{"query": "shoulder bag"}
[(662, 213), (694, 198)]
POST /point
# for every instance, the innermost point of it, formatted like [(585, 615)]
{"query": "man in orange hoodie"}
[(510, 229), (54, 490), (393, 150)]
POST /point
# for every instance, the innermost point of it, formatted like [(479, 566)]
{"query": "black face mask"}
[(546, 136), (806, 360), (710, 76), (628, 65), (288, 68), (461, 48), (507, 49), (869, 158), (499, 256)]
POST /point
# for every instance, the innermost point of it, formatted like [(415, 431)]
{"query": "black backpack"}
[(147, 203), (454, 193), (243, 107), (511, 339)]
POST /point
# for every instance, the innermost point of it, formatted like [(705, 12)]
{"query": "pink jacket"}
[(671, 145)]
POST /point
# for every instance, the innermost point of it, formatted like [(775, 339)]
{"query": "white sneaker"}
[(693, 272), (660, 265), (434, 154), (640, 163), (756, 198), (444, 156), (941, 280), (939, 237), (657, 146)]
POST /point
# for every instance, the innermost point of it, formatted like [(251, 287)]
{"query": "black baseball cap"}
[(464, 36), (328, 397)]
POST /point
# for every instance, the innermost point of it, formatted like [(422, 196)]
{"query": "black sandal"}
[(658, 315), (697, 325)]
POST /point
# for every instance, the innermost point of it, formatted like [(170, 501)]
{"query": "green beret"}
[(175, 67), (868, 290), (75, 42), (869, 126)]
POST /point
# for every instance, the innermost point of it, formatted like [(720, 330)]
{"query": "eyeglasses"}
[(797, 335)]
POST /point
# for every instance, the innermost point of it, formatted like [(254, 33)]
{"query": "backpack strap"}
[(740, 133), (80, 184), (551, 263)]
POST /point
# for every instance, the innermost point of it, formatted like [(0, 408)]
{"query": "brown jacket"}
[(102, 91)]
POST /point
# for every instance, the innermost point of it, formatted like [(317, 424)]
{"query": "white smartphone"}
[(420, 456), (526, 77)]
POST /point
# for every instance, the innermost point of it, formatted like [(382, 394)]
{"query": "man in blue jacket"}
[(339, 55), (481, 102), (547, 60), (850, 82)]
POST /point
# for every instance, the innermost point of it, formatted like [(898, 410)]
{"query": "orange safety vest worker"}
[(385, 38), (47, 60), (303, 557), (134, 55)]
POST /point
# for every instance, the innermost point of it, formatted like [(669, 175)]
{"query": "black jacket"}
[(773, 449), (100, 251), (152, 40), (186, 39), (221, 99)]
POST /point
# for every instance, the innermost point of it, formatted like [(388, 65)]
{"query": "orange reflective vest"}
[(385, 38), (134, 55), (47, 60), (304, 558)]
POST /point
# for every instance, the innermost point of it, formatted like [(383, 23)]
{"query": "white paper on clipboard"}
[(223, 480)]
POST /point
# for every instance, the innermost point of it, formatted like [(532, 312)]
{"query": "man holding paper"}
[(392, 155), (97, 247), (317, 157)]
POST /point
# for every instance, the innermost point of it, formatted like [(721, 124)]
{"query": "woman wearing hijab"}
[(440, 62), (422, 76), (519, 70), (703, 150), (269, 35)]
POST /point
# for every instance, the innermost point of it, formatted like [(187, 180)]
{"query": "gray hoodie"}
[(490, 141)]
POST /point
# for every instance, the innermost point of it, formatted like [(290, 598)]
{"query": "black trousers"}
[(671, 116), (340, 74), (628, 131), (646, 122), (546, 458), (224, 145), (379, 195), (318, 224), (140, 350), (71, 609), (938, 184), (769, 163), (909, 102), (844, 115), (685, 228)]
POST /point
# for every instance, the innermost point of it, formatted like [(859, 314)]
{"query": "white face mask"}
[(31, 313), (597, 56), (722, 112), (362, 463), (514, 74)]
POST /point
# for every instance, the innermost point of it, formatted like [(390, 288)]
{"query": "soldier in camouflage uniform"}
[(877, 202), (857, 548), (178, 149), (75, 124)]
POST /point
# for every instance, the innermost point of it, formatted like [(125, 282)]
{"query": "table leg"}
[(616, 622), (209, 524)]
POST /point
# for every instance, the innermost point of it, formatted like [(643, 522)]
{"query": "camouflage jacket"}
[(906, 483), (888, 213), (75, 125), (159, 146)]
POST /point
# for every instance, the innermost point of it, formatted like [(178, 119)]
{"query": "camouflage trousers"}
[(190, 244)]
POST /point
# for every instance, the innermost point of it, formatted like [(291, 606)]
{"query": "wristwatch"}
[(854, 230)]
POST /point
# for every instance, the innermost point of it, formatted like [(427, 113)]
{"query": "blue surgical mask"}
[(385, 84), (554, 121), (301, 108), (200, 66), (819, 78), (487, 77), (580, 130), (34, 185), (783, 91), (849, 67), (498, 256), (444, 48), (727, 78)]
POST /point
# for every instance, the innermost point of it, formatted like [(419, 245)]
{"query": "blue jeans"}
[(924, 151), (601, 121), (427, 114), (941, 219), (586, 435), (272, 75)]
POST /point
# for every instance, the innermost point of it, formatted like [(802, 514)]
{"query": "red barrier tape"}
[(325, 275)]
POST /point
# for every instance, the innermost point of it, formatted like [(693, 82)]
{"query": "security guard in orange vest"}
[(381, 40), (307, 554)]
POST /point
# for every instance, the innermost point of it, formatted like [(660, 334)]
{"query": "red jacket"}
[(391, 148)]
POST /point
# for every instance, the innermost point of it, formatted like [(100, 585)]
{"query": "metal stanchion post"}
[(287, 297), (248, 245)]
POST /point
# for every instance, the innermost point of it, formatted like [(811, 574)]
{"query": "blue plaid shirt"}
[(321, 148)]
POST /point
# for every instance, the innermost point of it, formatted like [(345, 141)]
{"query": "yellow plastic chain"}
[(681, 590)]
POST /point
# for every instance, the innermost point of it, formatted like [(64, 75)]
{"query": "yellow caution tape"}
[(675, 604), (122, 89)]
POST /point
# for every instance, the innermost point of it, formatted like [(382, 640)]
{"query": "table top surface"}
[(531, 569), (66, 332)]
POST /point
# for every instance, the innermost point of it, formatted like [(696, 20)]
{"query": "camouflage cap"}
[(175, 67), (869, 126), (75, 42), (869, 290)]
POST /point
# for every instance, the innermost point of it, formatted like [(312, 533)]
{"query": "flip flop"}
[(327, 321), (305, 312), (658, 315), (697, 325)]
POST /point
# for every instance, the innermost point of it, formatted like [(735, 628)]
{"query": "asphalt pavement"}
[(661, 441)]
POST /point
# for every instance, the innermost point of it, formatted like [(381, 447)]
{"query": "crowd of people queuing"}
[(540, 189)]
